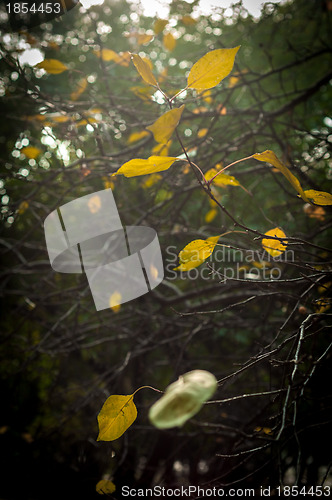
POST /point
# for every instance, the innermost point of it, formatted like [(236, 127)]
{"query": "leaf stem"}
[(230, 165)]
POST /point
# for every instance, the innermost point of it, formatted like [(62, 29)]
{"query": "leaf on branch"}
[(164, 127), (152, 165), (270, 157), (144, 70), (116, 416), (105, 487), (52, 66), (169, 41), (222, 180), (81, 86), (274, 247), (319, 197), (183, 399), (196, 252), (106, 54), (208, 71)]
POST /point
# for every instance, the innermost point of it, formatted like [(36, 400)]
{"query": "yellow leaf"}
[(108, 184), (161, 149), (202, 132), (143, 39), (116, 415), (169, 41), (151, 180), (143, 93), (196, 252), (159, 25), (206, 95), (319, 197), (115, 301), (152, 165), (211, 215), (31, 152), (144, 70), (85, 121), (221, 180), (81, 86), (164, 127), (23, 206), (322, 305), (233, 81), (52, 66), (105, 487), (137, 136), (314, 212), (270, 157), (188, 20), (123, 58), (94, 204), (274, 247), (106, 54), (183, 399), (208, 71)]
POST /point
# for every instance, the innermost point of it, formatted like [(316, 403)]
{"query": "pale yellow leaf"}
[(52, 66), (137, 136), (143, 38), (116, 415), (183, 399), (81, 86), (151, 180), (221, 180), (31, 152), (212, 214), (144, 70), (165, 125), (161, 149), (152, 165), (94, 204), (169, 41), (105, 487), (319, 197), (196, 252), (270, 157), (202, 132), (106, 54), (208, 71), (274, 247), (115, 301), (159, 25)]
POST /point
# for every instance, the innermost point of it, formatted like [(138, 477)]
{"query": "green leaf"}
[(270, 157), (183, 399), (196, 252), (152, 165), (274, 247), (319, 197), (210, 69), (164, 127), (116, 415)]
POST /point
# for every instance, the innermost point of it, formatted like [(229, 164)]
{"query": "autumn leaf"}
[(159, 25), (137, 136), (116, 416), (164, 127), (270, 157), (188, 20), (52, 66), (23, 206), (81, 86), (274, 247), (208, 71), (211, 214), (105, 487), (144, 70), (196, 252), (152, 165), (183, 399), (319, 197), (31, 152), (115, 301), (169, 41), (106, 54)]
